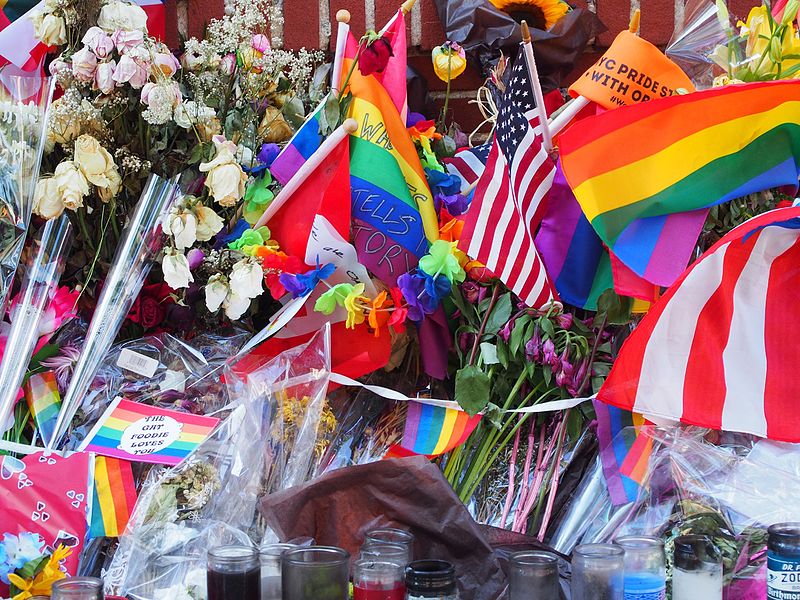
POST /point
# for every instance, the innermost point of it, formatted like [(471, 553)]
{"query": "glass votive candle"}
[(533, 575), (391, 535), (645, 567), (270, 557), (597, 572), (431, 580), (386, 552), (697, 570), (378, 580), (315, 573), (233, 572), (77, 588)]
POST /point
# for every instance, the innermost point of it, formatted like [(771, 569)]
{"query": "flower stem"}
[(476, 343)]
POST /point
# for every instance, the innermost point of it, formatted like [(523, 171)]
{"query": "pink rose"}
[(162, 93), (131, 71), (104, 76), (84, 64), (127, 40), (228, 64), (59, 65), (167, 63), (261, 43), (98, 42)]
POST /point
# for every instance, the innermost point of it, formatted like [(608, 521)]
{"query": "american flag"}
[(468, 164), (509, 199)]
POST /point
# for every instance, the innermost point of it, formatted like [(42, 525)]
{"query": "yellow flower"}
[(449, 61), (353, 306), (552, 10), (766, 48), (42, 583)]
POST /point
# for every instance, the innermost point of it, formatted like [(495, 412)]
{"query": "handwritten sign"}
[(382, 255), (631, 71), (386, 213), (143, 433)]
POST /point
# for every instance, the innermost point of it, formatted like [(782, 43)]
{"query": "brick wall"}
[(311, 23)]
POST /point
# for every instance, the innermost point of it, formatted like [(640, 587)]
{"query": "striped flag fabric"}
[(632, 167), (509, 199), (717, 350), (433, 430), (44, 402), (625, 451), (468, 164), (114, 496), (306, 140)]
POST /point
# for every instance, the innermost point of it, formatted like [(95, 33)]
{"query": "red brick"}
[(469, 79), (585, 61), (357, 18), (739, 9), (432, 33), (658, 21), (199, 14), (300, 24), (384, 11), (171, 24), (615, 15)]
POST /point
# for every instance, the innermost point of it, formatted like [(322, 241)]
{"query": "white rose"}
[(225, 153), (236, 305), (227, 183), (216, 292), (114, 187), (121, 15), (191, 113), (182, 226), (208, 223), (93, 160), (246, 278), (47, 202), (104, 77), (71, 183), (49, 29), (98, 41), (176, 269)]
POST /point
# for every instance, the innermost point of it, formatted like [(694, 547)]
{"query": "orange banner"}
[(631, 71)]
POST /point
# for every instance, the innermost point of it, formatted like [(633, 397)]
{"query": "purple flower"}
[(62, 365), (413, 288), (466, 341), (413, 118), (566, 366), (549, 355), (564, 320), (505, 331), (533, 347), (561, 378), (268, 153), (456, 204), (580, 373), (471, 291), (181, 318), (292, 285), (195, 258)]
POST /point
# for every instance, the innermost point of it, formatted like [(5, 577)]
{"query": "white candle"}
[(693, 585)]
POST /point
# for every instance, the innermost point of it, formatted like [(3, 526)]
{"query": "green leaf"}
[(547, 373), (503, 353), (489, 353), (294, 112), (472, 389), (500, 314), (518, 334), (547, 327), (495, 415), (329, 117), (616, 308), (197, 154)]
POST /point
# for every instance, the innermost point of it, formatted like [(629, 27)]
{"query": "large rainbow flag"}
[(632, 167)]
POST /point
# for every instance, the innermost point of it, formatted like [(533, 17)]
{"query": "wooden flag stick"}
[(347, 128), (547, 138), (343, 18), (636, 18), (405, 9)]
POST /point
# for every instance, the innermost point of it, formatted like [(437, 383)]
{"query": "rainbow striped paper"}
[(44, 402), (625, 451), (114, 497), (432, 430), (143, 433), (629, 168)]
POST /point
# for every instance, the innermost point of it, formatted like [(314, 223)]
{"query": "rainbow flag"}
[(625, 451), (114, 496), (433, 430), (44, 402), (632, 167), (143, 433), (303, 144)]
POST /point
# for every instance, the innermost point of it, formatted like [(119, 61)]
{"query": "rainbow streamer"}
[(148, 424), (625, 451), (433, 430), (114, 497), (44, 402)]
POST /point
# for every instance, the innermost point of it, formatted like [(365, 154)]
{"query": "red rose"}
[(375, 57), (152, 312), (135, 313)]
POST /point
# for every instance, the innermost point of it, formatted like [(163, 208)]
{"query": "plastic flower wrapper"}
[(24, 101), (39, 286), (131, 265), (694, 41)]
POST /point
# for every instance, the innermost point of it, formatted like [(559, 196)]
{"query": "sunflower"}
[(552, 10)]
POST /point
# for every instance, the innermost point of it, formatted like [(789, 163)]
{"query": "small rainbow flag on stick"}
[(625, 450), (433, 430), (629, 168), (44, 402), (114, 497), (143, 433)]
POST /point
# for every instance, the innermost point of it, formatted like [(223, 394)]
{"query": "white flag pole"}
[(343, 18), (527, 48), (347, 128)]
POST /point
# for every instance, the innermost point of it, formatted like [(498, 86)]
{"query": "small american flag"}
[(509, 199), (468, 165)]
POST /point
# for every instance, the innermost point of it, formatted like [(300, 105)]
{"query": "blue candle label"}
[(645, 586), (783, 578)]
